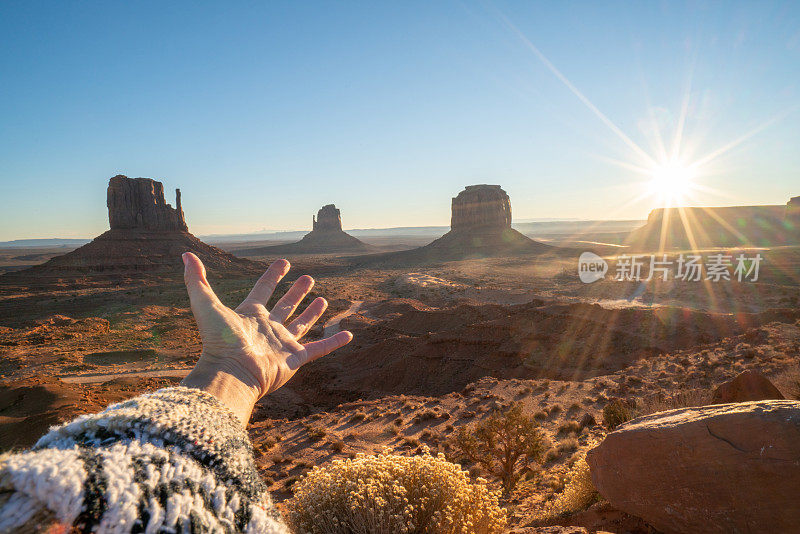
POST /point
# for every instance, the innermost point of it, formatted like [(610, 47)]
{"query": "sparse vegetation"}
[(390, 493), (578, 493), (505, 444), (616, 413), (357, 417), (315, 433)]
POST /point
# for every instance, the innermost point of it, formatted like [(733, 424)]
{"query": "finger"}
[(318, 349), (266, 285), (286, 306), (194, 275), (306, 320)]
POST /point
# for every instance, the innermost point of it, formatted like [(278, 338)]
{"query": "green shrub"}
[(388, 493), (505, 444)]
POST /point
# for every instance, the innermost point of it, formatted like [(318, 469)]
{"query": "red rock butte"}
[(326, 236), (138, 203), (146, 235), (480, 207), (480, 226)]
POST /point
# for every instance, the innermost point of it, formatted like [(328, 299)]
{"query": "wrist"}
[(239, 397)]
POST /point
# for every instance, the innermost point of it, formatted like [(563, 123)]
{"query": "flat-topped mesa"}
[(481, 207), (329, 219), (793, 214), (138, 203)]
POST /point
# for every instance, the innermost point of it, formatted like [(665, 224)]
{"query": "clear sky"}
[(261, 112)]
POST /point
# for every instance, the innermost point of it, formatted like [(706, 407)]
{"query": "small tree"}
[(504, 445)]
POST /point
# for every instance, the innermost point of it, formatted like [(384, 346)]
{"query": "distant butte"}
[(326, 236), (480, 227), (146, 235), (730, 226)]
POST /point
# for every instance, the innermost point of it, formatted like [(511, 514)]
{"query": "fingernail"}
[(183, 257)]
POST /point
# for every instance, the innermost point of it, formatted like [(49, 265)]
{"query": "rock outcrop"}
[(328, 219), (747, 386), (138, 203), (147, 236), (720, 468), (792, 217), (326, 237), (730, 226), (480, 226), (481, 207)]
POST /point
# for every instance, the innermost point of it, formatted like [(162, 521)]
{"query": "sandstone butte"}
[(146, 235), (480, 226), (326, 236), (720, 468)]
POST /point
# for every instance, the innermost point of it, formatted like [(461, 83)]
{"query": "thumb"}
[(194, 276)]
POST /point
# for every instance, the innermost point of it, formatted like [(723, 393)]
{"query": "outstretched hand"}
[(250, 351)]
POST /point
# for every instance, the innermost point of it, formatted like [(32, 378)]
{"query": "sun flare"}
[(672, 182)]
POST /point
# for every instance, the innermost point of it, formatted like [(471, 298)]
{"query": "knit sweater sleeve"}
[(175, 460)]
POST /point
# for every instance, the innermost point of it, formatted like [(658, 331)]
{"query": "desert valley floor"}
[(437, 346)]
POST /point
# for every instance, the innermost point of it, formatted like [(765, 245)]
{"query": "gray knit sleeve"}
[(175, 460)]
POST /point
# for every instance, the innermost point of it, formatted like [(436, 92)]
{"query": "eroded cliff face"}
[(329, 219), (138, 203), (793, 214), (481, 207)]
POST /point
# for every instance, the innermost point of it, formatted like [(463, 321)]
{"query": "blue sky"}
[(262, 112)]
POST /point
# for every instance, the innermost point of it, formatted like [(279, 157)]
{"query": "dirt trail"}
[(105, 377), (332, 326)]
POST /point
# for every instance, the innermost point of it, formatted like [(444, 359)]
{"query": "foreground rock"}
[(720, 468), (746, 386)]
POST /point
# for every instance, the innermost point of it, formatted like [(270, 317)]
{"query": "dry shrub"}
[(388, 494), (788, 383), (686, 398), (620, 411), (578, 493), (616, 413)]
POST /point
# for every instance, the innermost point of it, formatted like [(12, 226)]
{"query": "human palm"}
[(251, 350)]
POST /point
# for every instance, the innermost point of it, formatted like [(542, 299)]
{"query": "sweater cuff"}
[(188, 419)]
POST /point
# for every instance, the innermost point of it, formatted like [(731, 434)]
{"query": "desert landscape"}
[(471, 267), (447, 334)]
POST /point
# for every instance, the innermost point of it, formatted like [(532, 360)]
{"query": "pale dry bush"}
[(788, 382), (578, 493), (683, 398), (391, 494)]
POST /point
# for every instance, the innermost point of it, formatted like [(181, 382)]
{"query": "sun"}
[(671, 182)]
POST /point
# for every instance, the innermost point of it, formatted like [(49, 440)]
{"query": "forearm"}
[(230, 390)]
